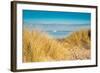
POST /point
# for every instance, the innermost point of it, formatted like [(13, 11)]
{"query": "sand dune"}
[(39, 46)]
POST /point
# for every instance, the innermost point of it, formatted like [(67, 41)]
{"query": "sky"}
[(56, 21), (51, 17)]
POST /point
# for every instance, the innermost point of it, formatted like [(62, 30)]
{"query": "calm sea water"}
[(58, 30), (59, 34)]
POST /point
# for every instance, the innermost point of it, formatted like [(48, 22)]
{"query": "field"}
[(39, 46)]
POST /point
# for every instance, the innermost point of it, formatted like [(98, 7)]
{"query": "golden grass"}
[(78, 38), (80, 44), (39, 46)]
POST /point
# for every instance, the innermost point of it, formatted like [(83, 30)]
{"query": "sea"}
[(59, 34), (58, 31)]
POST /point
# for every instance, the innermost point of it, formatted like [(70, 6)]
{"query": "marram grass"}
[(39, 46)]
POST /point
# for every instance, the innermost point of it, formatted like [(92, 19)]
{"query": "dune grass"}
[(39, 46), (79, 38), (80, 44)]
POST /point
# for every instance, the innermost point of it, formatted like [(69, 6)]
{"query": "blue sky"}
[(50, 17)]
